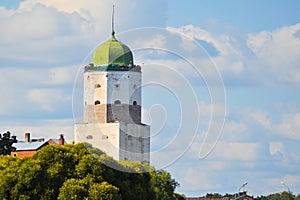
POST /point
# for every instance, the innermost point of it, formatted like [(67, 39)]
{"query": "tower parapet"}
[(112, 67)]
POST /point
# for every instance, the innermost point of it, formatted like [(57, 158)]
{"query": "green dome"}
[(112, 52)]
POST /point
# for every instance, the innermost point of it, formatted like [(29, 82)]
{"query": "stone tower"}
[(112, 104)]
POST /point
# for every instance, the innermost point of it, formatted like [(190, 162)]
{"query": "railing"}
[(111, 67)]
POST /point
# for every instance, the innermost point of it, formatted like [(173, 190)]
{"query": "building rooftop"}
[(26, 146)]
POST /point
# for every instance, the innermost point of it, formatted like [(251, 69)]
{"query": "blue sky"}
[(225, 106), (245, 15)]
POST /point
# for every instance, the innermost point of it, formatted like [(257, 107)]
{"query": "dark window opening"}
[(104, 137), (89, 137), (134, 103), (97, 102), (117, 102), (97, 86)]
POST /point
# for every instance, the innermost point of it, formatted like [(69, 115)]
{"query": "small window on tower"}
[(97, 102), (117, 102), (89, 137), (134, 86), (97, 86), (104, 137), (134, 103), (117, 85)]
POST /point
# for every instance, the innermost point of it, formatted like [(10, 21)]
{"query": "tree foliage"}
[(72, 172), (6, 144), (276, 196), (280, 196)]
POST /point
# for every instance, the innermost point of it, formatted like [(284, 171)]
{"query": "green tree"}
[(6, 143), (162, 184), (278, 196), (71, 172), (6, 161), (74, 189), (104, 191), (89, 166)]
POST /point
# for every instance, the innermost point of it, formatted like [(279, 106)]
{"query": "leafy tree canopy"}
[(6, 144), (72, 172)]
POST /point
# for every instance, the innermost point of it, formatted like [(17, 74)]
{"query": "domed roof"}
[(112, 52)]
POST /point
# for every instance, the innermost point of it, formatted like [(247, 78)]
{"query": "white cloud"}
[(47, 128), (100, 11), (276, 147), (235, 130), (157, 42), (193, 33), (267, 57), (19, 85), (278, 52), (260, 117), (48, 99), (196, 179), (290, 126), (61, 75), (236, 151), (65, 31), (40, 23), (217, 109)]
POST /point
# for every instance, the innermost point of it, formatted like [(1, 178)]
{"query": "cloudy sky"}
[(220, 82)]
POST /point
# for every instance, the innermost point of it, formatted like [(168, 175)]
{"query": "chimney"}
[(61, 139), (27, 137)]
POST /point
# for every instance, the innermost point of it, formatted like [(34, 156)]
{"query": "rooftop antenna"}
[(113, 21)]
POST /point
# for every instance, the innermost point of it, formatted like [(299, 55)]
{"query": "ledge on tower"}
[(112, 67)]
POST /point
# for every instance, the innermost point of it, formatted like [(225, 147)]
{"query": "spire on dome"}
[(113, 21), (112, 52)]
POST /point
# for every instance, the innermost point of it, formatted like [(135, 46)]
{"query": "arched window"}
[(134, 103), (117, 102), (97, 102)]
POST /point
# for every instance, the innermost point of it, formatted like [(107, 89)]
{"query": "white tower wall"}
[(112, 115)]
